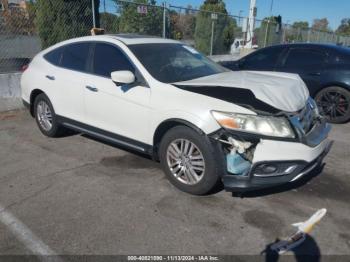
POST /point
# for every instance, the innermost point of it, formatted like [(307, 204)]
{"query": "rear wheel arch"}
[(33, 95), (331, 84), (164, 127)]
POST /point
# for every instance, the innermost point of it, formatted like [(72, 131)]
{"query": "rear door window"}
[(108, 58), (304, 58), (75, 56)]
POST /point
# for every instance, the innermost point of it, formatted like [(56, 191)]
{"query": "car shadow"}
[(219, 187), (281, 188), (308, 251)]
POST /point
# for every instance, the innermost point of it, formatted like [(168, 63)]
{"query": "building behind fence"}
[(27, 26)]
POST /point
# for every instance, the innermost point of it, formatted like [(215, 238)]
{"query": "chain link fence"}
[(28, 26)]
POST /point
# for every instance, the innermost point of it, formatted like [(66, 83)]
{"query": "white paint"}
[(25, 235)]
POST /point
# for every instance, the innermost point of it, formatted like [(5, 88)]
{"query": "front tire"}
[(188, 159), (46, 118), (334, 103)]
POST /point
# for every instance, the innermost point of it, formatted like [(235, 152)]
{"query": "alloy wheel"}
[(185, 161), (333, 104), (44, 115)]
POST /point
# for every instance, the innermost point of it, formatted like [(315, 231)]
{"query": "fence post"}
[(164, 20), (212, 37)]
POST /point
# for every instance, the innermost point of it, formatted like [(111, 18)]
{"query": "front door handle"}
[(91, 88), (50, 77)]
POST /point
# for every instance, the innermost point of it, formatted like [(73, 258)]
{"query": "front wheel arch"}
[(164, 127)]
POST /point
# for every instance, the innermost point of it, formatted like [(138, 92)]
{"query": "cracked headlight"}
[(264, 125)]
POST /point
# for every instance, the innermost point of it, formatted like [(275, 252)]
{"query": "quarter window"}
[(108, 58), (75, 56), (54, 57)]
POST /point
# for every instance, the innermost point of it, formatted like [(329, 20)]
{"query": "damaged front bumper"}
[(275, 162)]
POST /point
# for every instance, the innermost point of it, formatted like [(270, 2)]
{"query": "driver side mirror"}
[(123, 77)]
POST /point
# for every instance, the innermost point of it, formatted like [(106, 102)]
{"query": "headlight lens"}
[(265, 125)]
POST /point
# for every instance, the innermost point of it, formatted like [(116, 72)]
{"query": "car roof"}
[(314, 45), (128, 39)]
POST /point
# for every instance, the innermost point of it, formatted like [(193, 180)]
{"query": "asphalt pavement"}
[(76, 196)]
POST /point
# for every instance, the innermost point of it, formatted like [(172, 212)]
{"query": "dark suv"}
[(324, 68)]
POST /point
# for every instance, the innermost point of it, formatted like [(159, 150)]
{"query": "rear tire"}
[(46, 118), (334, 103), (188, 159)]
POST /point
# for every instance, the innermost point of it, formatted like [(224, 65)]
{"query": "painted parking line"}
[(26, 236)]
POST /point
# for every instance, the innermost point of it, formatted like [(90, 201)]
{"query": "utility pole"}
[(164, 19), (93, 13), (251, 23), (239, 17), (268, 24), (284, 31)]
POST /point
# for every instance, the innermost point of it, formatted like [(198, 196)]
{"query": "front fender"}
[(204, 123)]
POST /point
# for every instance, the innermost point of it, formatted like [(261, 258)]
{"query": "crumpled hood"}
[(284, 91)]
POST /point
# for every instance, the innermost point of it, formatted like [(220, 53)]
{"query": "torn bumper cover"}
[(276, 162)]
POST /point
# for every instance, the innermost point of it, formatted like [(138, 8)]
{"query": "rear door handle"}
[(91, 88), (315, 74), (50, 77)]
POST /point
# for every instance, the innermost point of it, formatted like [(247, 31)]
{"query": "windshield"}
[(171, 63)]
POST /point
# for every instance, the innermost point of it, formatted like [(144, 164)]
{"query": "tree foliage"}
[(109, 22), (182, 26), (321, 24), (130, 21), (344, 27), (223, 28), (19, 20), (57, 20), (267, 32), (303, 25)]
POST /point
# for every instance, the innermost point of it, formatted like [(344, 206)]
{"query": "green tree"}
[(344, 27), (182, 25), (223, 28), (321, 24), (109, 22), (18, 20), (130, 21), (57, 20), (266, 33), (303, 25)]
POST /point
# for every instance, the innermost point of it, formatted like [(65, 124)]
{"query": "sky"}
[(290, 10)]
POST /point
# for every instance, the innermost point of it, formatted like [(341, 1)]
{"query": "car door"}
[(308, 62), (68, 78), (120, 109), (265, 59)]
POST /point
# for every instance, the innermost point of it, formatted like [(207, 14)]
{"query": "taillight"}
[(24, 67)]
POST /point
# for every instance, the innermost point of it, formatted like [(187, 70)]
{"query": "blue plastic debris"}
[(237, 165)]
